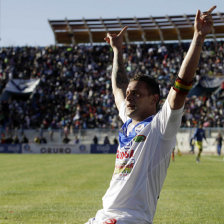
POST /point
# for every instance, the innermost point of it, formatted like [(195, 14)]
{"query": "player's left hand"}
[(203, 22), (115, 40)]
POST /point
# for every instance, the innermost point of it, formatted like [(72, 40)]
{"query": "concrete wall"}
[(86, 137)]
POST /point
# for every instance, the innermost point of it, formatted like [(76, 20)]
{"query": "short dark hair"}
[(151, 83)]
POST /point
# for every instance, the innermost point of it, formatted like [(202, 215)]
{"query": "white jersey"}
[(140, 168)]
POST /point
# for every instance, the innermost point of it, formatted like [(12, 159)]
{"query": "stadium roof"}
[(145, 29)]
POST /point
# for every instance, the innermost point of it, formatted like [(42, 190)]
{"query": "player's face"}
[(140, 103)]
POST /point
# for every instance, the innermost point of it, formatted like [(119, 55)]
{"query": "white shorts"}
[(111, 217), (109, 221), (113, 221)]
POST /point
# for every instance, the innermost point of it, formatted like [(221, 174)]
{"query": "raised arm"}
[(119, 78), (203, 25)]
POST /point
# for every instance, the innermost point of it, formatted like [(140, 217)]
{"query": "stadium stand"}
[(73, 93)]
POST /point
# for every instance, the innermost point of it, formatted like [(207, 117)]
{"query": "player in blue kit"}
[(147, 138)]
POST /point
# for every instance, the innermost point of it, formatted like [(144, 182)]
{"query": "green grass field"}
[(59, 189)]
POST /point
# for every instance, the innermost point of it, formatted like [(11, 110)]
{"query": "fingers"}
[(205, 14), (109, 36), (198, 14), (211, 9), (112, 35), (206, 18), (208, 13), (107, 39), (204, 21), (123, 30)]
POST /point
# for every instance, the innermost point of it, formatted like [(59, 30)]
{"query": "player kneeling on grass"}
[(147, 137)]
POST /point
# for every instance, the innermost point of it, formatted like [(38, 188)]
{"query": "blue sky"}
[(25, 22)]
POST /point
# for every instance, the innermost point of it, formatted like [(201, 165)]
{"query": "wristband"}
[(182, 86)]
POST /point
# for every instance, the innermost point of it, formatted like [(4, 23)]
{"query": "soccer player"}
[(147, 137), (199, 135), (192, 144), (219, 140)]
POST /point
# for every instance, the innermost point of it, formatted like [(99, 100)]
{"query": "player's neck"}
[(136, 120)]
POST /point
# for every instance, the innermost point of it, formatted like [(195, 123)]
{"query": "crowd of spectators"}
[(75, 87)]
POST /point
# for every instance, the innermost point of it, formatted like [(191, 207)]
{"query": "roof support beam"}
[(159, 30), (175, 27), (126, 33), (140, 28), (89, 31), (71, 33)]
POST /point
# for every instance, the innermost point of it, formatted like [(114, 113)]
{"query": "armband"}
[(182, 86)]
